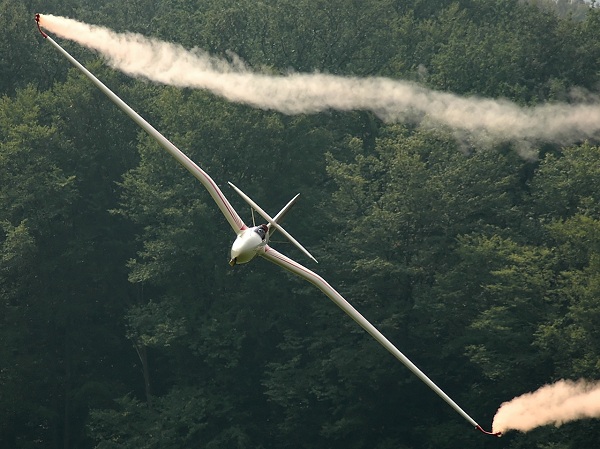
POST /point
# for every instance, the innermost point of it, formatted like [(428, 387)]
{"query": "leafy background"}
[(121, 325)]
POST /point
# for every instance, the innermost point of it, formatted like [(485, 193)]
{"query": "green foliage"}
[(578, 9), (57, 293), (185, 417), (515, 300), (19, 49), (482, 267), (567, 183), (499, 49), (573, 334), (31, 180), (152, 324)]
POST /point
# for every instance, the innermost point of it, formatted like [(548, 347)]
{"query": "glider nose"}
[(245, 247)]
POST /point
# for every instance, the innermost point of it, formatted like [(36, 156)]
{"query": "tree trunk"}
[(143, 355)]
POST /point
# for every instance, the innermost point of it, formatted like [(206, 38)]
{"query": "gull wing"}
[(226, 208), (285, 262)]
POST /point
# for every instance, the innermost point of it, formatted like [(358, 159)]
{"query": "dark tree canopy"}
[(121, 324)]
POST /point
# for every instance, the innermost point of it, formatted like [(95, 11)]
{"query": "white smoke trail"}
[(554, 404), (391, 100)]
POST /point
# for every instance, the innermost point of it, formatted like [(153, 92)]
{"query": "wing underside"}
[(217, 195), (285, 262)]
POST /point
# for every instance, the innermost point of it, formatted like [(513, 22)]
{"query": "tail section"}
[(272, 222), (282, 213)]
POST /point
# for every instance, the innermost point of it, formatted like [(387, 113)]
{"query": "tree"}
[(36, 196), (480, 266), (61, 276)]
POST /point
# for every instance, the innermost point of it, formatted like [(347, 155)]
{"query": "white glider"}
[(253, 241)]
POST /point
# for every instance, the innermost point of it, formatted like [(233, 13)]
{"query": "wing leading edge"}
[(217, 195), (285, 262)]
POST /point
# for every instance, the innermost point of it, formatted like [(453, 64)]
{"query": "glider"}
[(254, 241)]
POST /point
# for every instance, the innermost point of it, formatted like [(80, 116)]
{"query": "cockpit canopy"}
[(262, 230)]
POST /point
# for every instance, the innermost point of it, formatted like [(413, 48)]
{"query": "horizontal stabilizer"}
[(282, 213), (273, 221)]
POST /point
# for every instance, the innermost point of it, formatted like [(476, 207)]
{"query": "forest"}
[(123, 327)]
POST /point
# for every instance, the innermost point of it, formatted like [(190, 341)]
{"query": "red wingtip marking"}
[(496, 434), (37, 20)]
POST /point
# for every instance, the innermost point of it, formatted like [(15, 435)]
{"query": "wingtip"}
[(37, 20), (494, 434)]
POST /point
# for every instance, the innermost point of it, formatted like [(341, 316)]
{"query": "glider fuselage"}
[(247, 245)]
